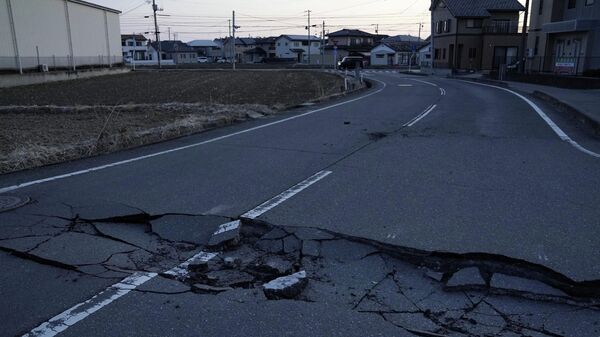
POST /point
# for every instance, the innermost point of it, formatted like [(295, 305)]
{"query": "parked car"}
[(221, 60), (202, 59), (351, 62)]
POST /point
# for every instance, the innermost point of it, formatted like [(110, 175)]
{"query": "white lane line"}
[(80, 311), (226, 227), (63, 321), (181, 271), (275, 201), (131, 160), (421, 116), (405, 85), (428, 83), (559, 132), (442, 91)]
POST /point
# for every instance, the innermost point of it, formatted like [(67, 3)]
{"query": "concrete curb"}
[(480, 80), (581, 116)]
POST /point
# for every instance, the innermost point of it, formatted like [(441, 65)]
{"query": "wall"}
[(43, 24)]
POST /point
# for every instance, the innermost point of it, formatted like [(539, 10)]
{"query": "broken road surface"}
[(474, 221)]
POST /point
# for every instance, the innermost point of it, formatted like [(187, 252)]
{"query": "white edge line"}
[(61, 322), (429, 83), (559, 132), (131, 160), (275, 201), (421, 116)]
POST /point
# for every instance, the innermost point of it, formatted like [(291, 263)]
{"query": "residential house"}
[(425, 56), (395, 54), (297, 47), (475, 34), (55, 34), (264, 50), (348, 42), (134, 47), (235, 49), (175, 51), (564, 36), (206, 48)]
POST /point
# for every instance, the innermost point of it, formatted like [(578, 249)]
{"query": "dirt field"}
[(50, 123), (270, 88)]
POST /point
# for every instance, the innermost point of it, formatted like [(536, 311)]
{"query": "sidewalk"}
[(583, 102)]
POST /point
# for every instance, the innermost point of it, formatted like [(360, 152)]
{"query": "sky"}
[(208, 19)]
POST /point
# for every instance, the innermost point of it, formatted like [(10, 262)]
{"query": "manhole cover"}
[(8, 202)]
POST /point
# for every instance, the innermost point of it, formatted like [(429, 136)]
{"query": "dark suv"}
[(351, 62)]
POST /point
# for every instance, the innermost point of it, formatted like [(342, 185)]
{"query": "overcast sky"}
[(207, 19)]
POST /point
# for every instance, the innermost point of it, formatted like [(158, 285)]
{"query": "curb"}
[(480, 80), (569, 109)]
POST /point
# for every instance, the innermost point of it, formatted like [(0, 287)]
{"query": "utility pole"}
[(420, 26), (376, 29), (323, 46), (169, 33), (157, 33), (233, 28), (309, 37), (524, 38)]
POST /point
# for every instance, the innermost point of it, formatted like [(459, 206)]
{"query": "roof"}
[(350, 32), (262, 40), (300, 37), (402, 38), (478, 8), (401, 46), (93, 5), (202, 43), (138, 37), (173, 46)]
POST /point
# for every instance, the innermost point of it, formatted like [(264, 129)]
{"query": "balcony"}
[(502, 27)]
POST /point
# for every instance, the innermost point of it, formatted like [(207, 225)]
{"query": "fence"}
[(57, 62), (564, 65)]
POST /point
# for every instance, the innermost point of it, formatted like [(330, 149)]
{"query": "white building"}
[(58, 33), (296, 47), (425, 56), (134, 47)]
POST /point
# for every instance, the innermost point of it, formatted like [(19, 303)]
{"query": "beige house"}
[(476, 35), (564, 36)]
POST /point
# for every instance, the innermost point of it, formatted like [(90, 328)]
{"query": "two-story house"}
[(475, 34), (265, 49), (564, 36), (348, 42), (174, 51), (134, 47), (235, 49), (297, 47)]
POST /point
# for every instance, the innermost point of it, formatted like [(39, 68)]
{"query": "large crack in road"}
[(422, 293)]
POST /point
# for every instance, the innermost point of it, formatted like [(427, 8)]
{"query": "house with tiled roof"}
[(477, 35), (174, 50)]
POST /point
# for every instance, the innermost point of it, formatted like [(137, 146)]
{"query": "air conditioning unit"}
[(43, 68)]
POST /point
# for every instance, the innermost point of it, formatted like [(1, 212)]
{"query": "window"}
[(536, 46), (123, 43), (572, 4), (541, 8), (436, 54), (447, 25), (472, 53), (130, 43), (589, 2), (444, 54), (379, 56), (296, 44), (474, 23), (438, 27)]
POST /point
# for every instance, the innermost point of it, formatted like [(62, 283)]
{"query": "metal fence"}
[(564, 65), (56, 62)]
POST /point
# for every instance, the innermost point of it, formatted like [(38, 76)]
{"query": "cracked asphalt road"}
[(480, 174)]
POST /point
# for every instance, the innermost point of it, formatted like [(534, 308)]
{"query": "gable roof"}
[(299, 37), (202, 43), (350, 32), (138, 37), (478, 8), (401, 46), (402, 38), (173, 47)]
